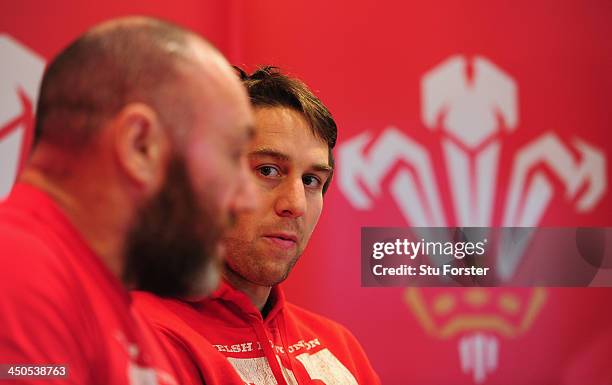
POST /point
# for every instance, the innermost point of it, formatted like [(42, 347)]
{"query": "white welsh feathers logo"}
[(472, 115), (20, 74)]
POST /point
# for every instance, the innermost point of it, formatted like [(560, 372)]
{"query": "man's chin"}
[(272, 278)]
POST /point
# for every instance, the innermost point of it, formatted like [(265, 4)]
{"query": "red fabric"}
[(191, 350), (291, 345), (61, 305)]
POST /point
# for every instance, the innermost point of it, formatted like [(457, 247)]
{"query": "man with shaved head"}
[(136, 171)]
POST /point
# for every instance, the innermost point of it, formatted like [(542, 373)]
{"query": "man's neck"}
[(258, 294), (88, 210)]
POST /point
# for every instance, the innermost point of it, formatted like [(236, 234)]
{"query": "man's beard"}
[(172, 246)]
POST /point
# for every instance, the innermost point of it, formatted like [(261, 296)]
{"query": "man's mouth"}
[(282, 240)]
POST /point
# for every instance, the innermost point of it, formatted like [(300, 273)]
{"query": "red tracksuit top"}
[(290, 346), (59, 304)]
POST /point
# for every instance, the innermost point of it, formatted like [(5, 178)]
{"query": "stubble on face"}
[(284, 141), (254, 262)]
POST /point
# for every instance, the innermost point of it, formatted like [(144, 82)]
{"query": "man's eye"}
[(269, 171), (311, 181)]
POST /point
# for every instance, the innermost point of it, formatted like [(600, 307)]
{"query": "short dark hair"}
[(103, 70), (269, 87)]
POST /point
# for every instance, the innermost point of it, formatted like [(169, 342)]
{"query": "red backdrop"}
[(449, 112)]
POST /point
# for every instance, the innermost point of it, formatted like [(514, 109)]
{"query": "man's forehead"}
[(285, 141), (285, 133), (279, 123)]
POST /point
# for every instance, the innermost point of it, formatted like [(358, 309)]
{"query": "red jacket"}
[(290, 346), (61, 305)]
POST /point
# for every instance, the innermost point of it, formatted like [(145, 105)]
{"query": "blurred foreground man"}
[(266, 339), (136, 171)]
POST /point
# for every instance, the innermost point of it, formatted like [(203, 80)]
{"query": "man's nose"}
[(291, 198)]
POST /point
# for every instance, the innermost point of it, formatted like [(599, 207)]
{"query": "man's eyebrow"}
[(323, 168), (270, 153)]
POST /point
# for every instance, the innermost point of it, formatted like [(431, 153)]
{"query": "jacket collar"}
[(228, 294)]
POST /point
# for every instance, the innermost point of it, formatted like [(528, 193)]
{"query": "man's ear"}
[(141, 145)]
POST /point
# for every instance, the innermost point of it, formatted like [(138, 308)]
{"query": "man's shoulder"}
[(304, 313), (157, 310), (189, 350), (17, 226), (35, 274), (29, 256), (316, 322), (340, 343), (171, 317), (41, 301)]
